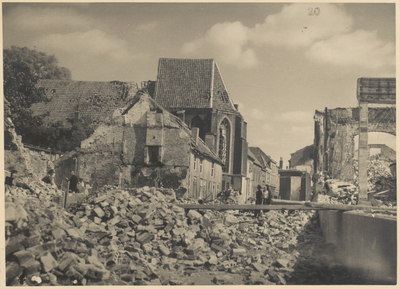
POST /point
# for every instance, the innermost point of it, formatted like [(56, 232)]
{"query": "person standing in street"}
[(267, 197), (259, 198)]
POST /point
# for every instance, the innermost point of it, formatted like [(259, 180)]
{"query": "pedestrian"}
[(259, 195), (73, 182), (267, 197), (49, 178)]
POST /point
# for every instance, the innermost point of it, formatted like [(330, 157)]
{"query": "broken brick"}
[(13, 271), (217, 248), (164, 250), (144, 238), (99, 212), (48, 262), (136, 219)]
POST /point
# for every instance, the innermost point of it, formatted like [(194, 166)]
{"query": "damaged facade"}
[(146, 145)]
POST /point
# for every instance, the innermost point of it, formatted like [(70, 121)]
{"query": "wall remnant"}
[(334, 134)]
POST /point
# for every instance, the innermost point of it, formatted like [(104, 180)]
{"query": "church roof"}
[(191, 83)]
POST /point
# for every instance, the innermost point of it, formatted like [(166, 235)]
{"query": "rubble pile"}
[(141, 237), (381, 183), (341, 192)]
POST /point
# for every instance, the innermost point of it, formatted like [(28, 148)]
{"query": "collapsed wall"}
[(334, 134), (24, 161)]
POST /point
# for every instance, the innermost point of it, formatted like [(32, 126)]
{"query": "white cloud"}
[(360, 48), (47, 19), (227, 42), (294, 27), (257, 114), (78, 40), (327, 38), (90, 43)]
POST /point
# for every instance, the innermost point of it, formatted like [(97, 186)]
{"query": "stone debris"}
[(342, 192), (381, 182), (141, 237), (381, 186)]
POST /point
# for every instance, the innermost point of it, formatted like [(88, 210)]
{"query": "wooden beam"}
[(305, 206), (286, 202), (224, 207)]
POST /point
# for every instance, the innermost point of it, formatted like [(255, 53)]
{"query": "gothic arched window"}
[(224, 143)]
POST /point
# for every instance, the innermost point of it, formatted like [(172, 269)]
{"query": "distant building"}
[(303, 159), (256, 174), (271, 169), (193, 90)]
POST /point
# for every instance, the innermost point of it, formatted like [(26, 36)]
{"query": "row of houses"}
[(182, 131)]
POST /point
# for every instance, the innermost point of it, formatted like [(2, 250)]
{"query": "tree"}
[(22, 68)]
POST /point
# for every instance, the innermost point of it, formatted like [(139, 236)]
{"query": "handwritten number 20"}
[(314, 11)]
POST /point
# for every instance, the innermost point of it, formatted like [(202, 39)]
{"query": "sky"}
[(279, 61)]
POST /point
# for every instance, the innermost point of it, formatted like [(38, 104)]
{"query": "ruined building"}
[(147, 145), (135, 142), (336, 129), (193, 90)]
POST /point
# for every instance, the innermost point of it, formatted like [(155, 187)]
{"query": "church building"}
[(194, 90)]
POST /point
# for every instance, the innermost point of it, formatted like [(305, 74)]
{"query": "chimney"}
[(236, 107), (195, 134), (281, 163), (210, 138)]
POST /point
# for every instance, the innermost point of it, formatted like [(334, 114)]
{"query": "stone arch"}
[(375, 139), (224, 142)]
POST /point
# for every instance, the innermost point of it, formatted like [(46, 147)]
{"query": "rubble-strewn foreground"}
[(141, 237)]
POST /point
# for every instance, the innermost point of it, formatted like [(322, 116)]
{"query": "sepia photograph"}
[(199, 144)]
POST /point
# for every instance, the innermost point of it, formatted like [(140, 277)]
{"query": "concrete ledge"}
[(367, 245)]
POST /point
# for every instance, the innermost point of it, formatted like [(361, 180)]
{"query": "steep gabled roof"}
[(262, 157), (253, 157), (191, 83), (93, 100)]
